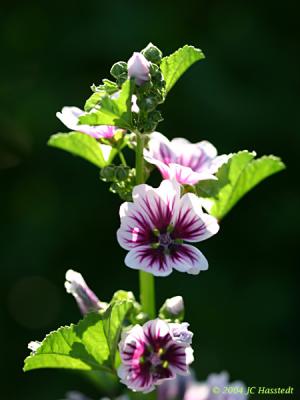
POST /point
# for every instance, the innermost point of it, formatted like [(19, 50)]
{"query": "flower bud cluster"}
[(122, 180), (152, 93), (149, 88)]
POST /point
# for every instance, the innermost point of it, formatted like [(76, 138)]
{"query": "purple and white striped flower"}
[(150, 355), (155, 226), (187, 162), (69, 116)]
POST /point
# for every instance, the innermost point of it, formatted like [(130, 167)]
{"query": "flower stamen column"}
[(147, 289)]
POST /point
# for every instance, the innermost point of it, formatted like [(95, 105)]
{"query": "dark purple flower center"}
[(154, 360), (165, 239)]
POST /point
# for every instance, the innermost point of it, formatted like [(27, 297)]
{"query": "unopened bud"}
[(121, 173), (138, 68), (147, 104), (141, 318), (118, 69), (152, 53), (154, 117), (108, 173), (86, 299), (173, 309)]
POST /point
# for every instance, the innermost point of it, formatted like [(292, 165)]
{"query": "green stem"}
[(122, 158), (147, 289)]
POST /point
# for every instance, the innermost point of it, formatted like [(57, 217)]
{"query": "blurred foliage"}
[(56, 213)]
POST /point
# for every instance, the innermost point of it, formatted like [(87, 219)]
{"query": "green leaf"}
[(115, 112), (91, 345), (177, 63), (112, 323), (81, 145), (94, 100), (235, 178), (82, 346)]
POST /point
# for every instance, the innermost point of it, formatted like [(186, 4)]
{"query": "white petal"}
[(158, 204), (160, 148), (69, 117), (190, 260), (163, 168), (152, 208), (191, 223), (189, 352), (143, 258), (217, 162), (207, 148), (180, 141), (135, 225), (134, 383), (157, 328), (186, 176)]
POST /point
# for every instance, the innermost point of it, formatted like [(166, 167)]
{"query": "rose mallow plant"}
[(126, 344)]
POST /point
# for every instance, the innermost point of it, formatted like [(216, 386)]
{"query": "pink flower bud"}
[(138, 68), (86, 299), (175, 305)]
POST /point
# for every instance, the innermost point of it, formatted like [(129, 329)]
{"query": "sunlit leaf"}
[(115, 315), (91, 345), (235, 178), (113, 111), (176, 64), (82, 346), (81, 145)]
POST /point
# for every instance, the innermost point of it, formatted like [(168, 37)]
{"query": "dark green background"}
[(56, 214)]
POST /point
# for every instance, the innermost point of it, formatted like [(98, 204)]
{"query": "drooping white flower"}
[(187, 162), (158, 222), (69, 116), (150, 355), (86, 299)]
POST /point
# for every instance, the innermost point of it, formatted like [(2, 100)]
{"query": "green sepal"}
[(235, 178)]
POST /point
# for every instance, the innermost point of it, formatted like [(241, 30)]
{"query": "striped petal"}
[(189, 259), (191, 223), (69, 116), (149, 260)]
